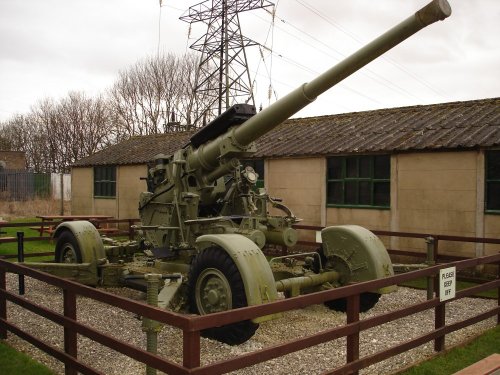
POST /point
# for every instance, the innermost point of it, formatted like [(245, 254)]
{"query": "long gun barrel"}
[(266, 120)]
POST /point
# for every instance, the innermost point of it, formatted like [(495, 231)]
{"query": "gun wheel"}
[(67, 249), (215, 285), (366, 302)]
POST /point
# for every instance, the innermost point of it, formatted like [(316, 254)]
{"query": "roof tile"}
[(457, 125)]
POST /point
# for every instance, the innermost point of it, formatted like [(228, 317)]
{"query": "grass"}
[(13, 362), (458, 358), (29, 246), (421, 283)]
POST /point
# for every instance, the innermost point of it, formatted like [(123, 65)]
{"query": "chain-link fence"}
[(20, 185)]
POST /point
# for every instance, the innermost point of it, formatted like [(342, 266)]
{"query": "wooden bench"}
[(8, 239), (487, 366), (108, 230), (46, 229)]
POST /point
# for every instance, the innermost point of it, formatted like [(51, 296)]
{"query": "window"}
[(492, 201), (258, 166), (105, 181), (360, 181)]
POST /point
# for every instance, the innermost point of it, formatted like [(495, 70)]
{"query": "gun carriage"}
[(204, 224)]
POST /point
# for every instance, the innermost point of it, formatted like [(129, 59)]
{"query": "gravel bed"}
[(294, 324)]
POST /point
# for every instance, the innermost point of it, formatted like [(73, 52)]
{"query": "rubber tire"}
[(67, 239), (366, 302), (215, 257), (367, 299)]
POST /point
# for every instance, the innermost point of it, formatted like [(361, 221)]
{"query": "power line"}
[(223, 58), (375, 76), (353, 36)]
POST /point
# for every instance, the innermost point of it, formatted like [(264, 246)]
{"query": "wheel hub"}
[(69, 254), (213, 292)]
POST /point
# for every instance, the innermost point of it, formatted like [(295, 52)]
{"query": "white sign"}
[(447, 283)]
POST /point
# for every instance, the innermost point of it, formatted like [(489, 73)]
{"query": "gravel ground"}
[(294, 324)]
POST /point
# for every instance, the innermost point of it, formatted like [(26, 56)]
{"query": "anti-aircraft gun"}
[(203, 218)]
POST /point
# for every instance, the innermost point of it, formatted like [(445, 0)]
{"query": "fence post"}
[(353, 340), (20, 259), (3, 302), (439, 320), (191, 349), (70, 336), (430, 261), (498, 292)]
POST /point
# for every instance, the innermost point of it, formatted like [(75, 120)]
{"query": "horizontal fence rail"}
[(430, 237), (192, 325), (46, 235)]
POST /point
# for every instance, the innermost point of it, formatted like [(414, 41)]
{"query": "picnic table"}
[(1, 222), (94, 219)]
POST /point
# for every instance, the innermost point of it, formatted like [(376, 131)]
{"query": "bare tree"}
[(81, 127), (56, 134), (156, 95), (153, 96), (23, 135)]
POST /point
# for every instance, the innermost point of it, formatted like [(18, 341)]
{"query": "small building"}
[(12, 165), (428, 169), (12, 160)]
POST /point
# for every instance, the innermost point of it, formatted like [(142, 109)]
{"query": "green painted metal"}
[(357, 254), (85, 273), (88, 238), (251, 262), (202, 213), (266, 120), (295, 284)]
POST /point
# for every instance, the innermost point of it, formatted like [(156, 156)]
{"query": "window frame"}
[(488, 180), (104, 178), (371, 179)]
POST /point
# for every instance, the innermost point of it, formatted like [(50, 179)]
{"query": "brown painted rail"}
[(42, 226), (435, 239), (191, 325)]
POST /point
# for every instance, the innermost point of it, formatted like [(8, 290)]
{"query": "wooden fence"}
[(45, 235), (192, 325)]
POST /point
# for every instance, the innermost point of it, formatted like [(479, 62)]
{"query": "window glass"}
[(352, 167), (362, 181), (365, 166), (492, 180), (382, 166), (493, 165), (105, 181), (334, 168)]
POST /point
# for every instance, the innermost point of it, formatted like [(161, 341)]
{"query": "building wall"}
[(431, 192), (123, 206), (82, 202), (492, 230), (436, 193), (128, 188), (13, 160), (300, 182)]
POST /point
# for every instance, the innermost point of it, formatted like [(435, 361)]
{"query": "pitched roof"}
[(457, 125)]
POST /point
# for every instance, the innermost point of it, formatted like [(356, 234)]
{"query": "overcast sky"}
[(51, 47)]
